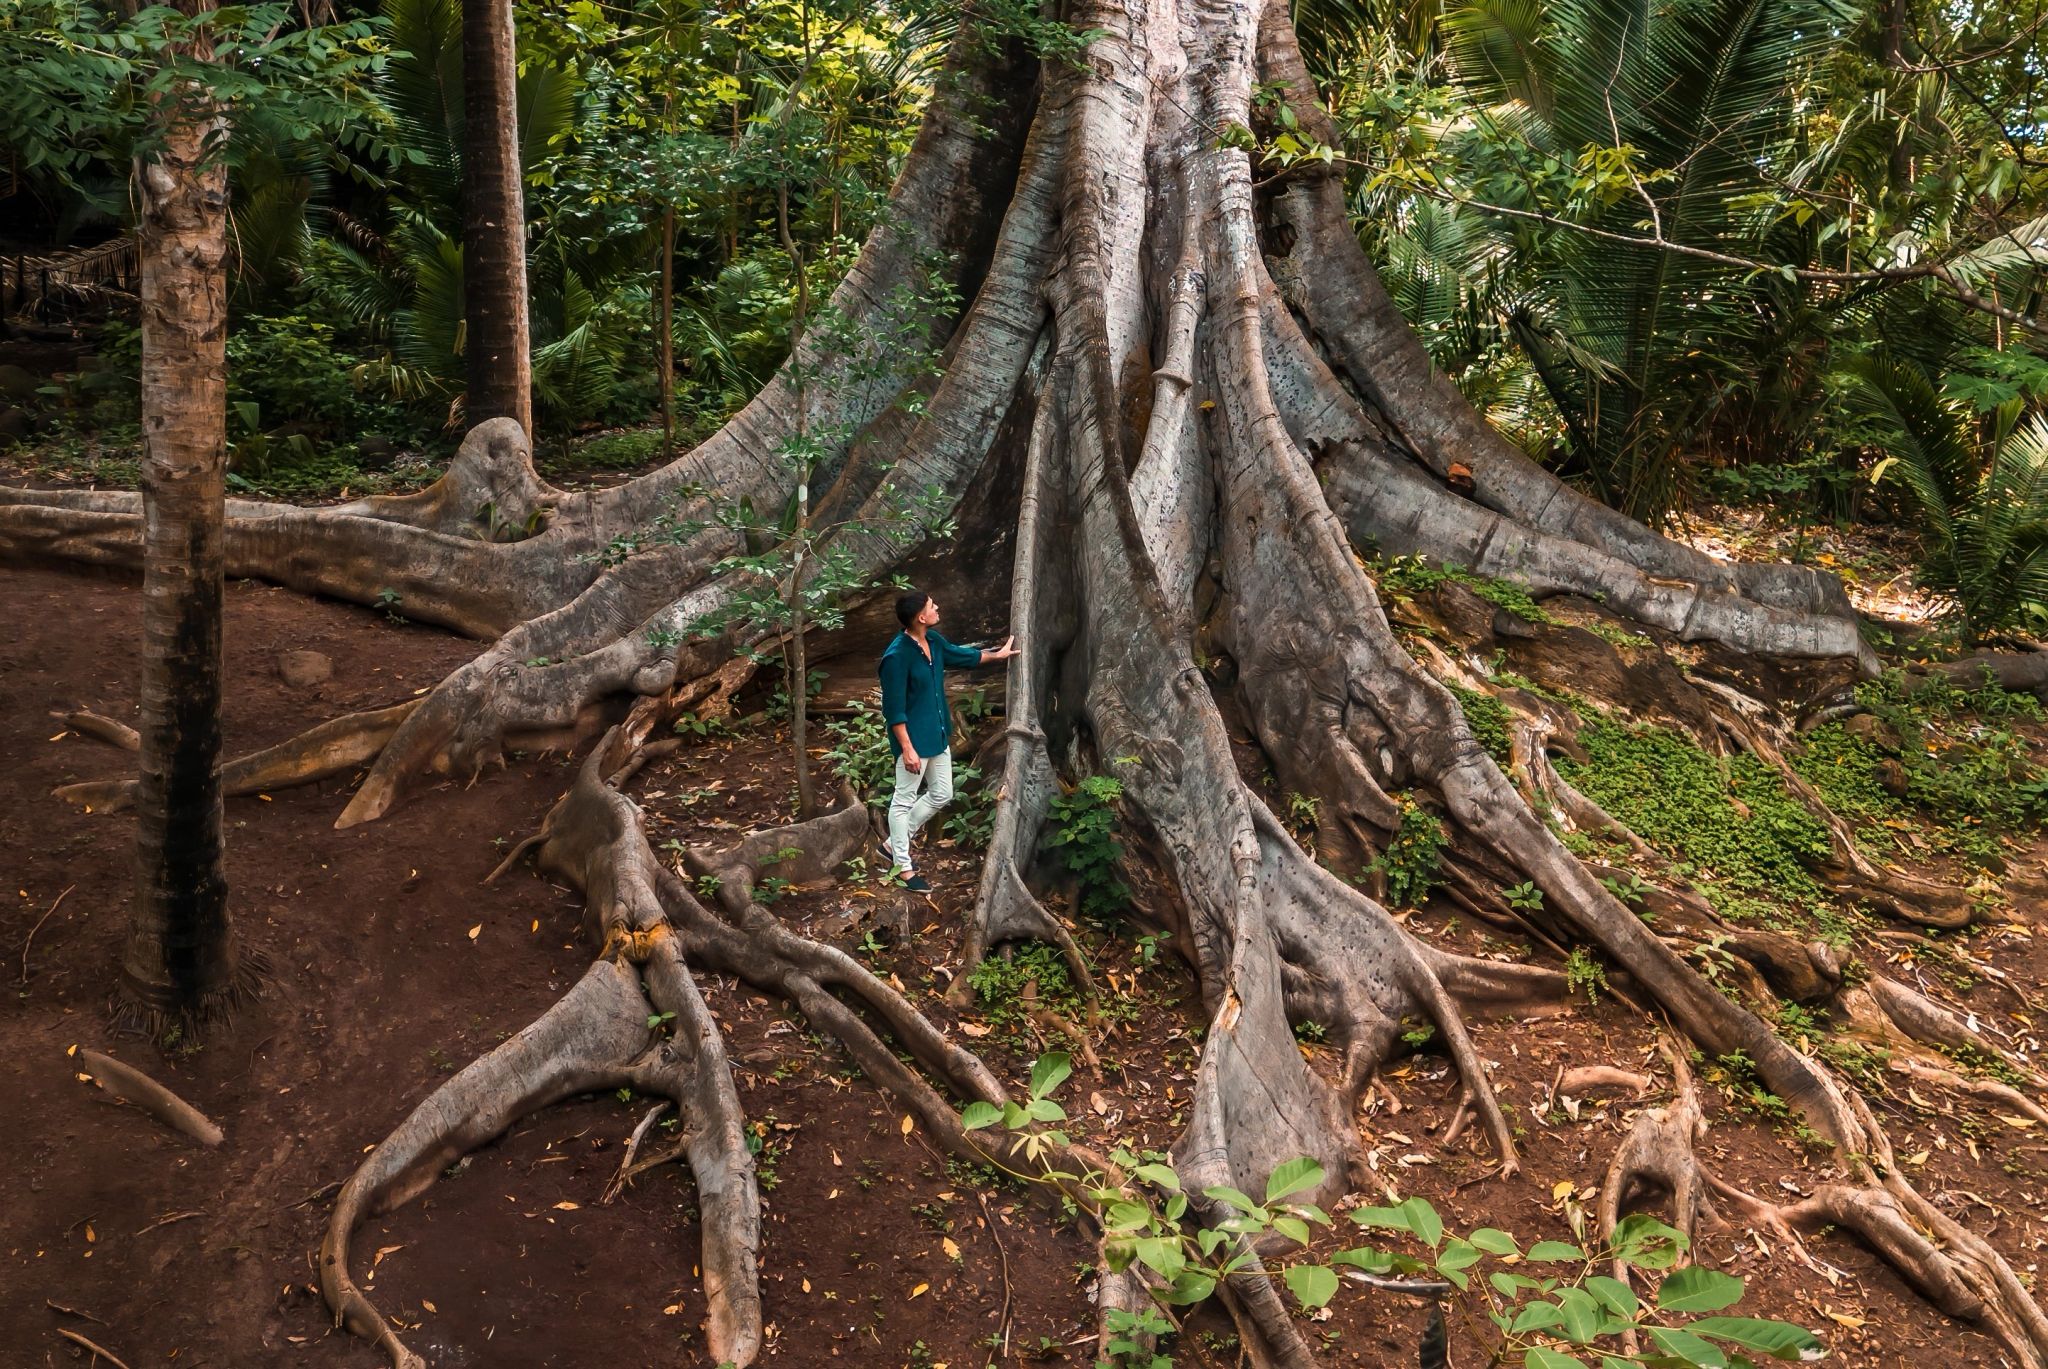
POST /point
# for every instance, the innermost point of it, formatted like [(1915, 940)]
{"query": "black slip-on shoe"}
[(917, 885)]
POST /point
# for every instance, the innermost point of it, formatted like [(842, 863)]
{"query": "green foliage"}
[(971, 817), (1409, 576), (1970, 776), (1413, 860), (1084, 838), (1684, 802), (1585, 974), (1549, 1302), (1981, 497), (1032, 976), (1488, 718)]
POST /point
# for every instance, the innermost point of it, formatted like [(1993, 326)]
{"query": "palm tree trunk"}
[(180, 962), (497, 349), (666, 316)]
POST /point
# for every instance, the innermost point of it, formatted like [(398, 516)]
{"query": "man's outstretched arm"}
[(964, 656)]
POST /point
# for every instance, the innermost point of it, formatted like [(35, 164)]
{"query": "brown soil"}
[(391, 967)]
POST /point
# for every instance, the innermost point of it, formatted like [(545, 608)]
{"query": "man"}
[(913, 672)]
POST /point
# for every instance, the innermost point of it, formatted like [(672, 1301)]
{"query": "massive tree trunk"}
[(1181, 403), (180, 964), (496, 348)]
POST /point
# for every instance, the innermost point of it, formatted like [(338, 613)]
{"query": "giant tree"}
[(1176, 409)]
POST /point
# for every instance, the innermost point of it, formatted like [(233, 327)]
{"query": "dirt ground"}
[(391, 967)]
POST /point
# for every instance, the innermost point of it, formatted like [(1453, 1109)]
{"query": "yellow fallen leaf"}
[(974, 1029), (671, 1309), (60, 736), (536, 925), (907, 1124), (952, 1250), (429, 1306), (566, 1206), (918, 1291), (2020, 1123), (265, 797), (476, 931), (807, 1285), (90, 1236), (382, 1251), (1845, 1319)]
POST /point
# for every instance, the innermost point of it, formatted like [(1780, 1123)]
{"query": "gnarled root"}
[(584, 1043)]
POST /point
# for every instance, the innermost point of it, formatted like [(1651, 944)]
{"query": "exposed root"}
[(332, 748), (1657, 1156), (580, 1045), (131, 1085), (92, 1347), (109, 730)]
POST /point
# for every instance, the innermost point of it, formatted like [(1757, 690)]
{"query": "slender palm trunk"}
[(666, 316), (498, 351), (180, 962)]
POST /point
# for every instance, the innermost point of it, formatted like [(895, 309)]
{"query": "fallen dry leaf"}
[(476, 931)]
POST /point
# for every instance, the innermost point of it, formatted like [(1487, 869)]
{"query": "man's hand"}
[(911, 761), (1003, 652)]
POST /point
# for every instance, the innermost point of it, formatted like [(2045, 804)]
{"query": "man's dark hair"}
[(908, 606)]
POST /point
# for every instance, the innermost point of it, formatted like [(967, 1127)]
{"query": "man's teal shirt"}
[(914, 690)]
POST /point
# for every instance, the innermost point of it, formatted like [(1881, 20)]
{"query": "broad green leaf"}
[(1645, 1242), (1493, 1241), (1162, 1254), (1014, 1117), (1614, 1295), (1457, 1254), (1126, 1217), (1539, 1358), (1049, 1073), (1044, 1110), (1779, 1340), (1293, 1176), (1536, 1315), (1383, 1218), (1293, 1228), (1688, 1348), (1699, 1289), (1160, 1175), (1191, 1286), (1366, 1258), (1312, 1284), (1423, 1221), (1224, 1193), (1555, 1252), (975, 1116), (1583, 1315)]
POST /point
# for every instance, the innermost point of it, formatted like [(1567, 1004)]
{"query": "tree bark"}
[(180, 963), (497, 348)]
